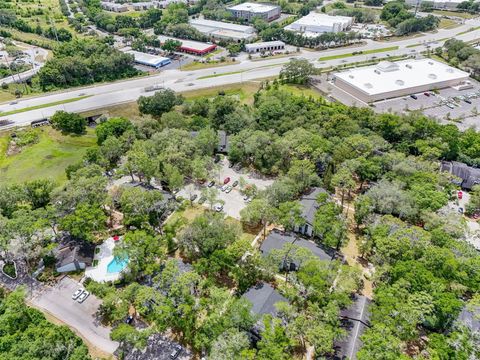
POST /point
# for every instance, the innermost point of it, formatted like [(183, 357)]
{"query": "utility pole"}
[(54, 28)]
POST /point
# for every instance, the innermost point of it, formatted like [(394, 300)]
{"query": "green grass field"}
[(374, 51), (46, 159)]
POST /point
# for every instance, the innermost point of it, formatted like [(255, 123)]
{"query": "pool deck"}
[(99, 273)]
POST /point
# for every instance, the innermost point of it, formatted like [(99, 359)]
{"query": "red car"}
[(227, 180), (460, 195)]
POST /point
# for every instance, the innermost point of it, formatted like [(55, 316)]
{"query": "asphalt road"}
[(129, 90), (58, 302)]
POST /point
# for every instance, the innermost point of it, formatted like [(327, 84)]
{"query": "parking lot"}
[(58, 301), (233, 202), (446, 105)]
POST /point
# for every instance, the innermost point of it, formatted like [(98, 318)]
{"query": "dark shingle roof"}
[(263, 298), (354, 320), (159, 347), (469, 176), (81, 252), (277, 240), (309, 204)]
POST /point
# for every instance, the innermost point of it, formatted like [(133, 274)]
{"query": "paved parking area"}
[(58, 301), (233, 201), (463, 114)]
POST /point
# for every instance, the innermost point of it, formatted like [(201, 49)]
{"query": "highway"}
[(104, 95)]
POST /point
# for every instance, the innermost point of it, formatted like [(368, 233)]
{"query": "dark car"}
[(227, 180), (235, 183), (231, 164), (468, 101), (193, 197), (414, 97), (211, 183), (202, 200), (129, 319), (177, 349), (426, 94), (217, 159)]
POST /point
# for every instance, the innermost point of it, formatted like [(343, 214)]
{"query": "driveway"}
[(58, 301)]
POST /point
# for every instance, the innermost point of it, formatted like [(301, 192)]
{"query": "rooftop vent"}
[(432, 76), (430, 62), (368, 85), (408, 66), (376, 71), (400, 82), (351, 76), (449, 70)]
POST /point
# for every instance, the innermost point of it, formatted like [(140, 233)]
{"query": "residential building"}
[(74, 257), (139, 6), (110, 6), (394, 79), (277, 240), (266, 46), (149, 60), (158, 347), (247, 11), (309, 206), (315, 24), (219, 30), (468, 176), (191, 47), (355, 320), (263, 298)]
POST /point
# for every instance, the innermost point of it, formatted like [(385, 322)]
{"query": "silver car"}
[(83, 296), (77, 294)]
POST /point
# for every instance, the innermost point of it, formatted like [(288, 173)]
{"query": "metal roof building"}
[(264, 46), (394, 79), (315, 24), (263, 298), (149, 60), (223, 30), (247, 11), (191, 47)]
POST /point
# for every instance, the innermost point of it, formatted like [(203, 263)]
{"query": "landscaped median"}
[(367, 52), (41, 106)]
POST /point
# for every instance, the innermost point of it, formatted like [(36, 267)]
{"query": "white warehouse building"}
[(264, 46), (247, 11), (315, 24), (394, 79), (224, 30)]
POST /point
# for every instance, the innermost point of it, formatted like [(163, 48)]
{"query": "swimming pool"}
[(116, 265)]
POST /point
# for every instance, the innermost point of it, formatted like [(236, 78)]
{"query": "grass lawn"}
[(46, 159), (463, 15), (448, 24), (243, 91), (198, 65), (469, 30), (300, 90), (374, 51), (217, 75)]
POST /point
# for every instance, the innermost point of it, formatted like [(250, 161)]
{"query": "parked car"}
[(228, 189), (460, 210), (426, 94), (413, 96), (193, 197), (231, 164), (202, 200), (245, 198), (450, 106), (129, 319), (217, 159), (211, 183), (235, 183), (177, 349), (468, 101), (76, 294), (224, 187), (218, 207), (226, 180), (83, 296)]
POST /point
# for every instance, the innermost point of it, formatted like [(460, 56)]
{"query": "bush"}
[(69, 123), (9, 269), (27, 137)]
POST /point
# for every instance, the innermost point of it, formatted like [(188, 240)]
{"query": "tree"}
[(344, 181), (141, 162), (38, 192), (329, 224), (258, 212), (86, 221), (115, 127), (161, 102), (297, 71), (211, 196), (111, 150), (143, 252), (274, 343), (141, 208), (171, 45), (69, 123), (207, 233), (232, 344), (234, 49), (290, 215)]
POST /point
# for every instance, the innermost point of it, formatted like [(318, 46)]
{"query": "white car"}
[(83, 297), (224, 187), (218, 207), (228, 189), (76, 294)]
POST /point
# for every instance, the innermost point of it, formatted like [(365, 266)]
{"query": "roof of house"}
[(309, 203), (278, 239), (81, 252), (263, 298), (159, 347), (354, 320), (470, 318), (470, 176)]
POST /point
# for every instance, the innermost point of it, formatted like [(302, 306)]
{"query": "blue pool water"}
[(116, 265)]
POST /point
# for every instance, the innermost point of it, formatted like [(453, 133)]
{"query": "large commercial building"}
[(393, 79), (218, 30), (191, 47), (265, 46), (247, 11), (149, 60), (315, 24)]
